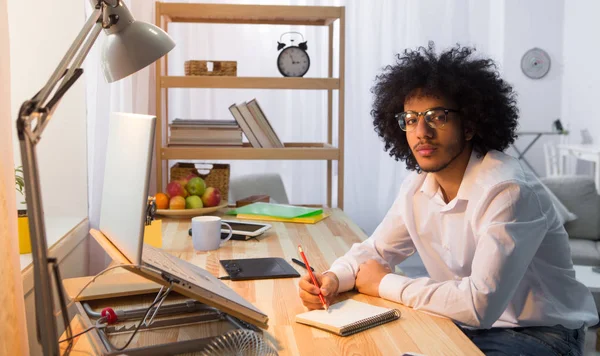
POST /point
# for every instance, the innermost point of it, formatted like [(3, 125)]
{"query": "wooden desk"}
[(278, 298)]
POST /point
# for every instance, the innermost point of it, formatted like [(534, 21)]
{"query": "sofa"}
[(578, 194)]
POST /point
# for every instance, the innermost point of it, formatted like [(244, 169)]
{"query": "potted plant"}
[(23, 220)]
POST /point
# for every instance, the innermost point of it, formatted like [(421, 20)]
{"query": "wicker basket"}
[(214, 175), (220, 68)]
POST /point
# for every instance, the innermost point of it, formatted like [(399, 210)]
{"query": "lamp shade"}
[(131, 45)]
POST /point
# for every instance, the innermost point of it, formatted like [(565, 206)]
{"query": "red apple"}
[(211, 197), (191, 175), (183, 183), (175, 189)]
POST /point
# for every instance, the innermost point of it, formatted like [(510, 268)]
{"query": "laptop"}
[(123, 215)]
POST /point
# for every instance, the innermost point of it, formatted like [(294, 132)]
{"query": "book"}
[(277, 210), (192, 122), (264, 123), (302, 220), (206, 136), (348, 317), (237, 115), (261, 136)]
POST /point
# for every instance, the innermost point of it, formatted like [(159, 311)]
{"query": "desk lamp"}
[(130, 46)]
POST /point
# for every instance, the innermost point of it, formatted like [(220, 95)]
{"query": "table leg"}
[(522, 154)]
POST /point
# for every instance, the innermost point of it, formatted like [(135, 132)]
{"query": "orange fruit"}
[(162, 201)]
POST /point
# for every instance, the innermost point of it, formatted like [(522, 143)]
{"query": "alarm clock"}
[(293, 61)]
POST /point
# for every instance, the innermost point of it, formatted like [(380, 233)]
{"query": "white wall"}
[(528, 24), (581, 83), (40, 34)]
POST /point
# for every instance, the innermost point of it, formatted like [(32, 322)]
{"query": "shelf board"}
[(248, 82), (250, 14), (292, 151)]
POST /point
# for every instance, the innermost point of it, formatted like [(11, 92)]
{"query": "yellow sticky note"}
[(24, 237), (153, 234)]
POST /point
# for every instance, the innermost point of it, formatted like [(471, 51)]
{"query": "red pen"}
[(312, 276)]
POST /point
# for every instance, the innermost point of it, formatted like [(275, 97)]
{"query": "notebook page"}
[(342, 313)]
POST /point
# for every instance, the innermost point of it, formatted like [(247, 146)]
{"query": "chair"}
[(255, 184), (555, 165)]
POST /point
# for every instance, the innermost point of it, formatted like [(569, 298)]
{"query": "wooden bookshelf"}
[(295, 151), (254, 14), (251, 14), (249, 82)]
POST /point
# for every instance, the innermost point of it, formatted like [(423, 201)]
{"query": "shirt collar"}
[(470, 176), (430, 186)]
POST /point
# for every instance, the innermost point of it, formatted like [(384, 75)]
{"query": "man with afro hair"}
[(496, 252)]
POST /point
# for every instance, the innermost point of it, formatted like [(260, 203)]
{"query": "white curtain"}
[(13, 331), (375, 31)]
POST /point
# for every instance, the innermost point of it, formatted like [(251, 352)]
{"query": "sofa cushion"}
[(564, 215), (578, 194), (584, 252)]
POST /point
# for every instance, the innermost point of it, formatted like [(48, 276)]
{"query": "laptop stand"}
[(185, 313)]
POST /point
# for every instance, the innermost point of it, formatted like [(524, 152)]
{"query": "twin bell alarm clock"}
[(293, 61)]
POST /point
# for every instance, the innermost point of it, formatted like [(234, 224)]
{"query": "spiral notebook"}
[(348, 317)]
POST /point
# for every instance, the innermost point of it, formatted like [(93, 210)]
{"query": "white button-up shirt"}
[(497, 254)]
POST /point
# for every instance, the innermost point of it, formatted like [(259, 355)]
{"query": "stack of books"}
[(255, 125), (205, 133)]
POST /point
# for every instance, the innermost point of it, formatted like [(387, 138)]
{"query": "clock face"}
[(293, 62)]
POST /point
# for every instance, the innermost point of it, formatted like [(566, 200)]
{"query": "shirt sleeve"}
[(509, 230), (389, 244)]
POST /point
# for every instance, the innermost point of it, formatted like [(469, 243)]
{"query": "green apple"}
[(193, 202), (196, 186)]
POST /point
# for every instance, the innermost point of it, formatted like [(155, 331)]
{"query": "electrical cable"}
[(100, 323), (74, 299), (64, 308), (156, 301)]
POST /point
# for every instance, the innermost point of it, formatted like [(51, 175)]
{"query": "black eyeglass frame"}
[(400, 117)]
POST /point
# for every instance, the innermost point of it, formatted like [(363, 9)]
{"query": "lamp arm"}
[(36, 112), (40, 98)]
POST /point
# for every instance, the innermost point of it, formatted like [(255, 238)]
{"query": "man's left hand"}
[(369, 277)]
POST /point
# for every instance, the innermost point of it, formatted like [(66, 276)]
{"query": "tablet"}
[(243, 230), (258, 268)]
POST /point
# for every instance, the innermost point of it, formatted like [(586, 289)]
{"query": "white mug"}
[(206, 233)]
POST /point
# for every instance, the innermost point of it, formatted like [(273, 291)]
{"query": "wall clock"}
[(535, 63)]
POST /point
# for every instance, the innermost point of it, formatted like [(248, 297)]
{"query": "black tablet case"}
[(258, 268)]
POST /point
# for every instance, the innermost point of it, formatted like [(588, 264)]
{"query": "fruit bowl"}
[(190, 212)]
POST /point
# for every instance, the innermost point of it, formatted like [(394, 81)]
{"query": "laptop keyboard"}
[(163, 261)]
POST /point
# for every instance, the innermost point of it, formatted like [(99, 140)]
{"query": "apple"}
[(193, 202), (177, 202), (211, 197), (175, 189), (183, 183), (196, 186), (191, 175)]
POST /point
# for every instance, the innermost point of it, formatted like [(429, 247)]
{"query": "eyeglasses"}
[(436, 118)]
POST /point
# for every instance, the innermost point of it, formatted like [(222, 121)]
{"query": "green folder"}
[(276, 210)]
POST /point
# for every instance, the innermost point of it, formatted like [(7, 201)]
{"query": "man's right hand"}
[(309, 293)]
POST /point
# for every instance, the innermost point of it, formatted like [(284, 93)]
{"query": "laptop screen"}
[(126, 180)]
